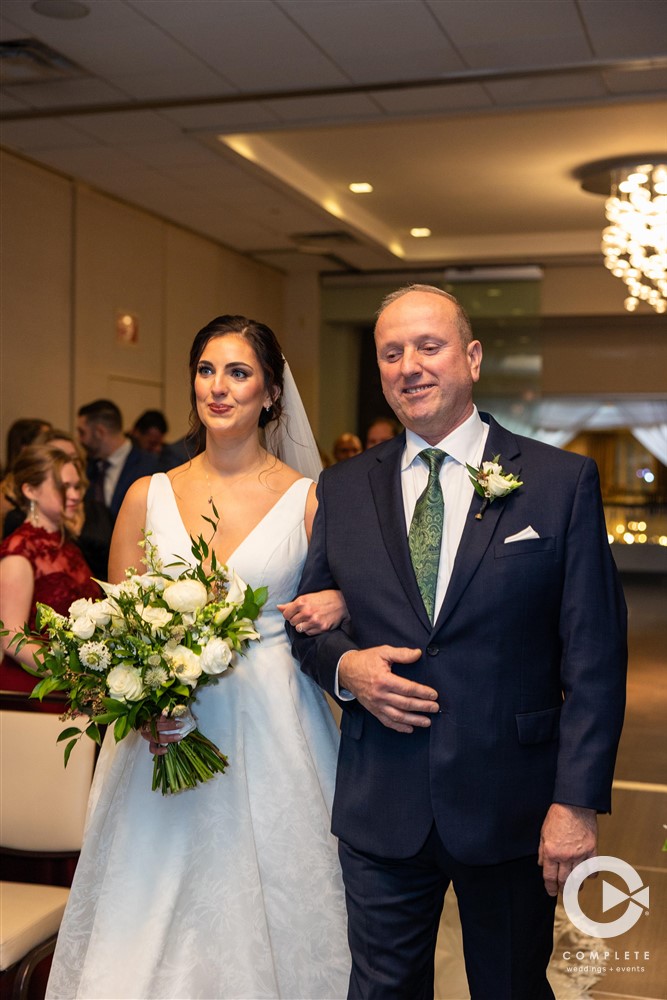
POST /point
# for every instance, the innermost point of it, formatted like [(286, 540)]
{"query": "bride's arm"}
[(128, 531), (319, 612)]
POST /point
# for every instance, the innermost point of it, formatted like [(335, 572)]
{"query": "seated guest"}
[(39, 563), (346, 446), (90, 525), (113, 462), (21, 433), (382, 429)]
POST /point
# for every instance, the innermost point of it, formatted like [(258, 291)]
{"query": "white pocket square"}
[(521, 536)]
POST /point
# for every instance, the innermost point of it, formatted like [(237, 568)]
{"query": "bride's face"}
[(229, 385)]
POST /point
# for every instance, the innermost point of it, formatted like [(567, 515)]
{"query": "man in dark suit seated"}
[(481, 673), (114, 462)]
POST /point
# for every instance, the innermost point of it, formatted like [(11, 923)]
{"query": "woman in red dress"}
[(38, 562)]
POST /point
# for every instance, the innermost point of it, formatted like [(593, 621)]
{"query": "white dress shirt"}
[(464, 445), (116, 461)]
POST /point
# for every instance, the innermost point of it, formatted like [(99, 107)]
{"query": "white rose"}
[(80, 608), (236, 590), (83, 627), (186, 595), (101, 612), (125, 683), (185, 665), (157, 617), (215, 657), (497, 485)]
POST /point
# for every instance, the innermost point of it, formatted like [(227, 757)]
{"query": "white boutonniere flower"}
[(491, 482)]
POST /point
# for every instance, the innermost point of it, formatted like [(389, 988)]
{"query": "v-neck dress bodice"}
[(231, 889)]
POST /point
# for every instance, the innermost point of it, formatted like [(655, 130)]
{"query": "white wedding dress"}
[(231, 889)]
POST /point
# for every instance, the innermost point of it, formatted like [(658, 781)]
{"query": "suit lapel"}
[(385, 483), (477, 535)]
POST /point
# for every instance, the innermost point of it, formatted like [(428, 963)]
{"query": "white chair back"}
[(42, 803)]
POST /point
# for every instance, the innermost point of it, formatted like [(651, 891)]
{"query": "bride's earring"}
[(268, 407)]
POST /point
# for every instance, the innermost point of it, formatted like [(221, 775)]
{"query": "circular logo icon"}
[(636, 897)]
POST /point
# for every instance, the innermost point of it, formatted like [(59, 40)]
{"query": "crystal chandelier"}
[(634, 243)]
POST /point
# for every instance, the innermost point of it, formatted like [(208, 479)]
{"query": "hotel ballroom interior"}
[(167, 161)]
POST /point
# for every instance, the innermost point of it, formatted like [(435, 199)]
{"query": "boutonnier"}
[(491, 482)]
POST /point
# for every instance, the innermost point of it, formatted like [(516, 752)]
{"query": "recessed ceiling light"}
[(361, 187), (420, 232), (63, 10)]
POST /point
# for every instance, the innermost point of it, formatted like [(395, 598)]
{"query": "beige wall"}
[(72, 260)]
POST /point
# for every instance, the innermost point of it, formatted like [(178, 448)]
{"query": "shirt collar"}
[(119, 456), (463, 444)]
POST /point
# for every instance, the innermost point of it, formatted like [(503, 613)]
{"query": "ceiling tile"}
[(499, 33), (131, 43), (625, 30), (222, 117), (94, 164), (363, 38), (62, 93), (9, 102), (576, 87), (118, 128), (252, 44), (650, 81), (32, 136), (197, 80)]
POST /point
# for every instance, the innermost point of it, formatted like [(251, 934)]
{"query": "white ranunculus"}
[(156, 617), (186, 595), (215, 657), (186, 665), (497, 485), (125, 683), (83, 627), (236, 590)]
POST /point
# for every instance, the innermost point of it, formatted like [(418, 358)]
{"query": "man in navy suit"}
[(114, 462), (476, 747)]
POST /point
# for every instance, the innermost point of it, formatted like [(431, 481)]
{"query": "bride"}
[(231, 889)]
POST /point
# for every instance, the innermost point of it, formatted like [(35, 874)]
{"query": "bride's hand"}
[(315, 613), (169, 730)]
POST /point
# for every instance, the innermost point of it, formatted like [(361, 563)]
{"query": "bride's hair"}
[(265, 345)]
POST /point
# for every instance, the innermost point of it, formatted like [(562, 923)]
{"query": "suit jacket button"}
[(432, 650)]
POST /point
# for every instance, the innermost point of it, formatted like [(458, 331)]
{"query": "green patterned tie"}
[(425, 536)]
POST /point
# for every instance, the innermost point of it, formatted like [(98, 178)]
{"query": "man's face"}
[(88, 437), (427, 374)]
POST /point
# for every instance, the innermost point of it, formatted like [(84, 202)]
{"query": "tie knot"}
[(434, 458)]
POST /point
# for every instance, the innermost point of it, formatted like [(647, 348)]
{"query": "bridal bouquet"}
[(143, 651)]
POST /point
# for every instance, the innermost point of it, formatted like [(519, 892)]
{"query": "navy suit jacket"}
[(528, 655), (137, 464)]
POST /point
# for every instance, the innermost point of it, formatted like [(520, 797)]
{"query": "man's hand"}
[(569, 835), (398, 703)]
